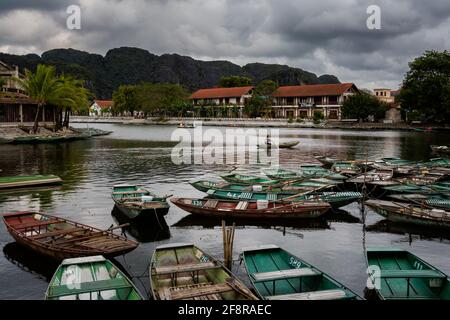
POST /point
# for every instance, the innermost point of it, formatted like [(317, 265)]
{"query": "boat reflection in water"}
[(143, 229), (30, 261), (412, 232)]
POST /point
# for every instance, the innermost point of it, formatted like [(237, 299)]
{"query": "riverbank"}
[(277, 123), (18, 135)]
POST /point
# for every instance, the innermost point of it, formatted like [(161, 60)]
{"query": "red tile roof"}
[(314, 90), (104, 104), (215, 93)]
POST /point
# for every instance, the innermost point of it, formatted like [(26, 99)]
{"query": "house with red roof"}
[(101, 108), (305, 101), (222, 97)]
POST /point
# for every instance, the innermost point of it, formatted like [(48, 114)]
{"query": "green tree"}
[(43, 86), (266, 88), (161, 99), (362, 106), (426, 86), (73, 96), (235, 81), (2, 83), (126, 99)]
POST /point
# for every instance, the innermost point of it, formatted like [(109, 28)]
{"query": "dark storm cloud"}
[(325, 36)]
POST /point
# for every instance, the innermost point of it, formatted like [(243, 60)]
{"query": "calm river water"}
[(141, 155)]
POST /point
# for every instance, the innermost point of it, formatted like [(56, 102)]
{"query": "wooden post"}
[(228, 240)]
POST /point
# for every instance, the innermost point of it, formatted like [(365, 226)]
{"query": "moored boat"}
[(335, 199), (248, 180), (410, 213), (258, 210), (182, 271), (444, 150), (61, 238), (349, 168), (90, 278), (400, 275), (279, 275), (376, 177), (424, 200), (254, 195), (27, 181), (326, 161), (136, 201)]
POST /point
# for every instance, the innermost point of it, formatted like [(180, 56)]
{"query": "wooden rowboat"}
[(326, 161), (90, 278), (136, 201), (400, 275), (335, 199), (279, 275), (27, 181), (346, 168), (377, 177), (302, 174), (409, 213), (185, 272), (246, 210), (61, 238), (442, 202)]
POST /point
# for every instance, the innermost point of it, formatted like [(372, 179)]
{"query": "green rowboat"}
[(335, 199), (27, 181), (278, 275), (399, 275), (90, 278), (250, 196), (424, 200), (248, 180), (183, 271), (307, 172), (136, 201), (409, 213)]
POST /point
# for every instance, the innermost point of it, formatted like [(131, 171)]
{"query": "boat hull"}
[(134, 213), (283, 212)]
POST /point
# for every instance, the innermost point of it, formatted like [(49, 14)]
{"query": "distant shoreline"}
[(272, 123)]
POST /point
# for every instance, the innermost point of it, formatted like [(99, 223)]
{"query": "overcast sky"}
[(321, 36)]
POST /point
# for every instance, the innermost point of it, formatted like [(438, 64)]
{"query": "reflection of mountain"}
[(303, 224), (148, 229), (30, 261), (412, 232)]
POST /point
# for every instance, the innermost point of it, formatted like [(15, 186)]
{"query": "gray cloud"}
[(323, 37)]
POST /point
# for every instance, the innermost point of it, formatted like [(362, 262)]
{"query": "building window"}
[(290, 101), (317, 100), (333, 100)]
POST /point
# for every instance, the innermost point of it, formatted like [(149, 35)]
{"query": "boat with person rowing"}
[(182, 271), (400, 275), (410, 213), (279, 275), (90, 278), (61, 238), (246, 209), (136, 201), (28, 181)]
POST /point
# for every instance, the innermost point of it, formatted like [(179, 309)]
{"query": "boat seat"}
[(411, 274), (86, 287), (56, 233), (185, 268), (284, 274), (271, 196), (191, 292), (246, 195), (211, 204), (37, 224), (314, 295), (242, 205)]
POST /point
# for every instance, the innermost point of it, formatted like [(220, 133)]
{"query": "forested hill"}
[(133, 65)]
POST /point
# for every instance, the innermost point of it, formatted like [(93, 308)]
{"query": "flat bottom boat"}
[(185, 272), (27, 181), (90, 278), (278, 275), (400, 275)]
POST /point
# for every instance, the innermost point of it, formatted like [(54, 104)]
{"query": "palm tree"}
[(42, 86)]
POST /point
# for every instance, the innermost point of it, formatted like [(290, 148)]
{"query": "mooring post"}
[(228, 240)]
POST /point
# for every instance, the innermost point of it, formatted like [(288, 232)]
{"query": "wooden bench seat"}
[(59, 232), (96, 286), (28, 225), (198, 291), (211, 204), (315, 295), (185, 268), (411, 274), (283, 274), (242, 205)]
